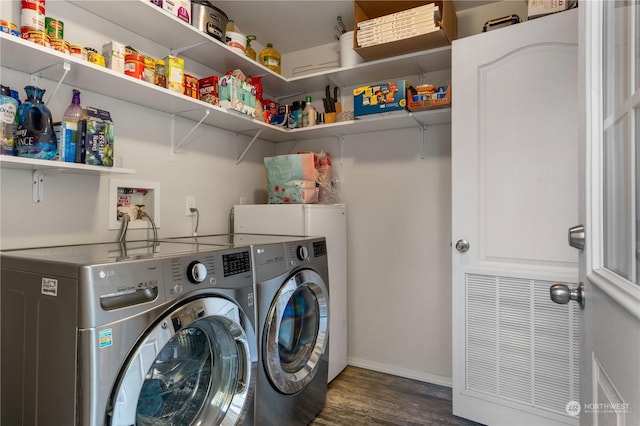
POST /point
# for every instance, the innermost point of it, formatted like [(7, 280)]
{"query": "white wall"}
[(398, 249), (399, 212), (75, 207)]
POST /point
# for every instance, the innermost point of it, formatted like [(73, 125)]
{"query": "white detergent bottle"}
[(308, 114)]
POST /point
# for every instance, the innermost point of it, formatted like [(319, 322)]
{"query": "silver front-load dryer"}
[(292, 293), (144, 334)]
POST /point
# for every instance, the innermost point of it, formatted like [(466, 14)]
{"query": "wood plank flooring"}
[(364, 397)]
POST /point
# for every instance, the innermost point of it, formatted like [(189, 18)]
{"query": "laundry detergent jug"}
[(35, 137)]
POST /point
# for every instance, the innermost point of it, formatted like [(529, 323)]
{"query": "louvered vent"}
[(520, 345)]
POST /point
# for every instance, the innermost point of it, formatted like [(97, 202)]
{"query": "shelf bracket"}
[(67, 67), (239, 160), (175, 147), (37, 183), (179, 50), (35, 78), (172, 131), (341, 141), (423, 135)]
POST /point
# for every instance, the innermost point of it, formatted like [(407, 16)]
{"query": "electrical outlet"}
[(191, 204)]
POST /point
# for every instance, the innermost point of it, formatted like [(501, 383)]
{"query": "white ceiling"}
[(296, 25)]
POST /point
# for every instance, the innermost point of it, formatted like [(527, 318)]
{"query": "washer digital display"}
[(236, 263)]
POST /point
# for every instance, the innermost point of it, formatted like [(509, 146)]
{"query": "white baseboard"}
[(402, 372)]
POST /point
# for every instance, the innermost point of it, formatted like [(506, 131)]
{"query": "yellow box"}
[(175, 73)]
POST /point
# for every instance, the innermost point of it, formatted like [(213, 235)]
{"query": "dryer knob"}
[(302, 253), (196, 272)]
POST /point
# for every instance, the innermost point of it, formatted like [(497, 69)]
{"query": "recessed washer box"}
[(125, 195)]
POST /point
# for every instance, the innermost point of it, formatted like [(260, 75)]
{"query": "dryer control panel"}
[(300, 252)]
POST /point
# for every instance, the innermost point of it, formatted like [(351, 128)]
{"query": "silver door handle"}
[(576, 237), (562, 294), (462, 245)]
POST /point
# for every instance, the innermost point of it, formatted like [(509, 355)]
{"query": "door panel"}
[(513, 156), (515, 194), (610, 129)]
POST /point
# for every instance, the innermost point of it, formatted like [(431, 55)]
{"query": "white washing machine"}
[(141, 333)]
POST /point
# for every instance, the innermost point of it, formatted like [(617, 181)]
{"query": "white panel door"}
[(515, 194), (610, 211)]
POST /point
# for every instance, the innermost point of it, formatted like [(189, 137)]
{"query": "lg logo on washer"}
[(104, 274)]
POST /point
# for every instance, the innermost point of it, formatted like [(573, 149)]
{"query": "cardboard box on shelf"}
[(369, 9), (175, 73), (113, 53), (95, 138), (237, 95), (179, 8), (380, 97), (428, 96), (209, 89)]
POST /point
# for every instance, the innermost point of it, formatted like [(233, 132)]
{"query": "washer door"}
[(295, 334), (192, 367)]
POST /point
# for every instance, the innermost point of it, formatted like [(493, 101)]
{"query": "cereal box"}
[(175, 73), (191, 86), (209, 89)]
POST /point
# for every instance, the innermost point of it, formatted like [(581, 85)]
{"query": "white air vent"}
[(520, 345)]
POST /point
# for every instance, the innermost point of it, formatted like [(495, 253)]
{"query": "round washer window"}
[(192, 367), (296, 332), (190, 370)]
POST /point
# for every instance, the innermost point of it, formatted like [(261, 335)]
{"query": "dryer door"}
[(295, 331), (192, 367)]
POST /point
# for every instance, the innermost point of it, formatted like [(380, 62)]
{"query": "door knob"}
[(462, 245), (576, 237), (562, 294)]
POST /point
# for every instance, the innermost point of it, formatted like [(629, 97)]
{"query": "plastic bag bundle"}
[(291, 179), (327, 193), (302, 178)]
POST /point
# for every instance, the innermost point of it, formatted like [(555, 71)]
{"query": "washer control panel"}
[(225, 268), (196, 272)]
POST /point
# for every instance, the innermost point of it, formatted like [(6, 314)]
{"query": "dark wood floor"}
[(364, 397)]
